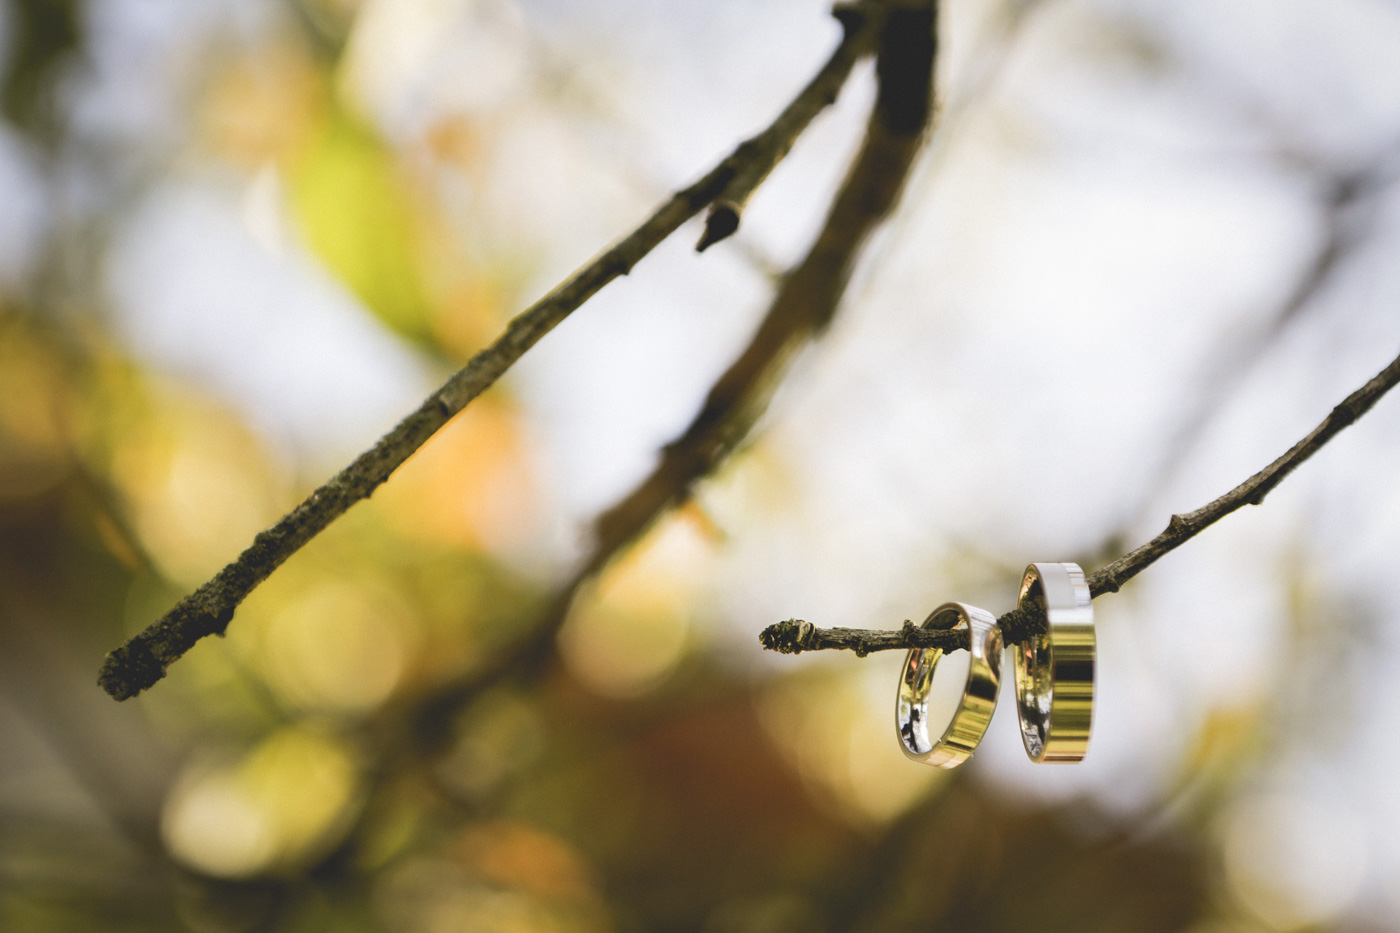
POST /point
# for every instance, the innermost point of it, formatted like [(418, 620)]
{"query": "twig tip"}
[(128, 670), (787, 637)]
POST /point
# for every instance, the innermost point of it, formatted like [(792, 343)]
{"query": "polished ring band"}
[(979, 697), (1055, 671)]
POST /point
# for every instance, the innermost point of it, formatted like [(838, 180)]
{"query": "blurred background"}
[(1147, 249)]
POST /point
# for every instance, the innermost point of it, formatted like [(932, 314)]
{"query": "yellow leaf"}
[(355, 210)]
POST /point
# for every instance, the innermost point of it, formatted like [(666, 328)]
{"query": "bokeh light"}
[(1147, 248), (1293, 861), (279, 805), (631, 629)]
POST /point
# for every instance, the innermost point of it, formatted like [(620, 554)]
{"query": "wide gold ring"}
[(1055, 671), (979, 698)]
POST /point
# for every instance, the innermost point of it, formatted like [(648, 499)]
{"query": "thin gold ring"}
[(1055, 671), (979, 699)]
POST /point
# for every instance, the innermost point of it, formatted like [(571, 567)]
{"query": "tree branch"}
[(1342, 229), (723, 218), (144, 658), (804, 305), (795, 636), (808, 298)]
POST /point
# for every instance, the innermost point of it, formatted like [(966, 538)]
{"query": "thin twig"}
[(810, 293), (1343, 228), (727, 208), (802, 308), (794, 636), (144, 658)]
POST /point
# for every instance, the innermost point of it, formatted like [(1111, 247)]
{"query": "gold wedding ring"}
[(979, 697), (1055, 671)]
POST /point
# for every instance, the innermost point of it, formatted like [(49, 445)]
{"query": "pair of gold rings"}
[(1054, 675)]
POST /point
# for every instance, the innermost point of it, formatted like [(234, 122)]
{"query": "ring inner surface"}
[(1034, 686), (913, 712), (918, 678)]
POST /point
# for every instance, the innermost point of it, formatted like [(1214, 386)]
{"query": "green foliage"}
[(355, 210)]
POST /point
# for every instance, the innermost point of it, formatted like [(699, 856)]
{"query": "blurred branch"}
[(144, 658), (803, 307), (325, 26), (116, 762), (41, 34), (1344, 226), (810, 294), (795, 636)]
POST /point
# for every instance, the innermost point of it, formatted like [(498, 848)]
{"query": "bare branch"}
[(1343, 226), (810, 293), (794, 636), (802, 308), (725, 212), (144, 658)]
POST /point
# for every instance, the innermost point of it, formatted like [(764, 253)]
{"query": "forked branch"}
[(144, 658), (802, 308)]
